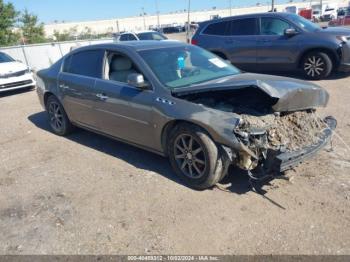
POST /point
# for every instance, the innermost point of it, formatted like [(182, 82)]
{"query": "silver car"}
[(185, 103)]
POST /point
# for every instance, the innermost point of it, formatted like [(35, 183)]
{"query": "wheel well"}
[(46, 97), (329, 52), (170, 126)]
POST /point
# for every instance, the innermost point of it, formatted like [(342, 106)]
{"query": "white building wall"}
[(137, 23)]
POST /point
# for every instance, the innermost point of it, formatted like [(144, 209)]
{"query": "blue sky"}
[(79, 10)]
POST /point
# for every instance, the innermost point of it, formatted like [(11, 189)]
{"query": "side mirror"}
[(138, 81), (290, 32)]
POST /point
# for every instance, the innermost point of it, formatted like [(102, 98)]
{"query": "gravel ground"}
[(88, 194)]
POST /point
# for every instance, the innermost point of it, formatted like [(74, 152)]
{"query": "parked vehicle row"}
[(277, 42)]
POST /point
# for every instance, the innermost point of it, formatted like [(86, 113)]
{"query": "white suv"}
[(14, 74)]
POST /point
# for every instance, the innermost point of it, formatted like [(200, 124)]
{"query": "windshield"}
[(151, 36), (184, 66), (4, 58), (304, 23)]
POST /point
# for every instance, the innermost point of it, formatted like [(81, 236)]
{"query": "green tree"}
[(8, 19), (61, 36), (32, 30)]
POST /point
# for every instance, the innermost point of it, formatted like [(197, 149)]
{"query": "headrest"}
[(121, 63)]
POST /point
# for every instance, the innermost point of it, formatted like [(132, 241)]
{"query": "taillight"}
[(194, 42)]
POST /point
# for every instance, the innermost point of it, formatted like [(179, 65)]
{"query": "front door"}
[(124, 111), (275, 50)]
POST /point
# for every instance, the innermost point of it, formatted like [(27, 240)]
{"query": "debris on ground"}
[(293, 131)]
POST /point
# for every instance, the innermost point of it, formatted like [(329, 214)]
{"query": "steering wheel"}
[(190, 71)]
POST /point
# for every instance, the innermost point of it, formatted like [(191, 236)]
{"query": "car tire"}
[(198, 163), (58, 119), (317, 65)]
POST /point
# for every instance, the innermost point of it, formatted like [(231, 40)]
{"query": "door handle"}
[(102, 96), (64, 86), (230, 41), (264, 40)]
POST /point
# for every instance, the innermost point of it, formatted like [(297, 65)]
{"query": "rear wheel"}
[(195, 157), (58, 118), (316, 65)]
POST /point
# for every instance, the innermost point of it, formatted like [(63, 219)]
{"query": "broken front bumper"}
[(285, 161)]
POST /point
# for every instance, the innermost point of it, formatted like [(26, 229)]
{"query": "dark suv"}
[(278, 42)]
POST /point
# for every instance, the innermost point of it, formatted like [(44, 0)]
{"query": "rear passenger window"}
[(220, 28), (127, 37), (124, 37), (246, 26), (132, 37), (86, 63)]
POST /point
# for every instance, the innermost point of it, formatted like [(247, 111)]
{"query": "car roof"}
[(139, 32), (277, 14), (134, 45)]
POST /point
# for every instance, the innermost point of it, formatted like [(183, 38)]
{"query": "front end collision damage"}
[(250, 149), (252, 154)]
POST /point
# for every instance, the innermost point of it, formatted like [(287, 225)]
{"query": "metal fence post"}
[(59, 47), (25, 56)]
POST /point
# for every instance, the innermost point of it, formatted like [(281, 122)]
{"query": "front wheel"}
[(317, 65), (195, 157)]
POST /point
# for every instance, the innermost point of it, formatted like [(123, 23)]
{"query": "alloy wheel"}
[(314, 66), (190, 156), (56, 116)]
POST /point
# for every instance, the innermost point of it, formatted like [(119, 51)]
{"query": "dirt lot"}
[(91, 195)]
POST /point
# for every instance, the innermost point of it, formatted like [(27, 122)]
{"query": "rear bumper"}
[(286, 161)]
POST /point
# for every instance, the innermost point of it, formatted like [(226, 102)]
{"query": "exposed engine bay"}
[(263, 131)]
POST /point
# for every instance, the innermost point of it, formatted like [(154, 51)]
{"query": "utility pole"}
[(273, 6), (188, 21), (144, 18), (157, 8), (117, 23), (321, 7), (230, 1)]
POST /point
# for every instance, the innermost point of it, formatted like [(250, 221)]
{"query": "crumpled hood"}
[(292, 94)]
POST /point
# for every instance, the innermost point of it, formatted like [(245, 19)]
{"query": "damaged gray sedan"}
[(185, 103)]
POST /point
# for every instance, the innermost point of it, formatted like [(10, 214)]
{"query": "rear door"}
[(242, 42), (76, 85), (275, 49), (235, 38)]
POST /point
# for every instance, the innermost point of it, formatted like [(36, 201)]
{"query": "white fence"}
[(41, 56)]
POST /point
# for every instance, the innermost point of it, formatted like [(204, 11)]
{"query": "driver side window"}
[(118, 67), (273, 26)]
